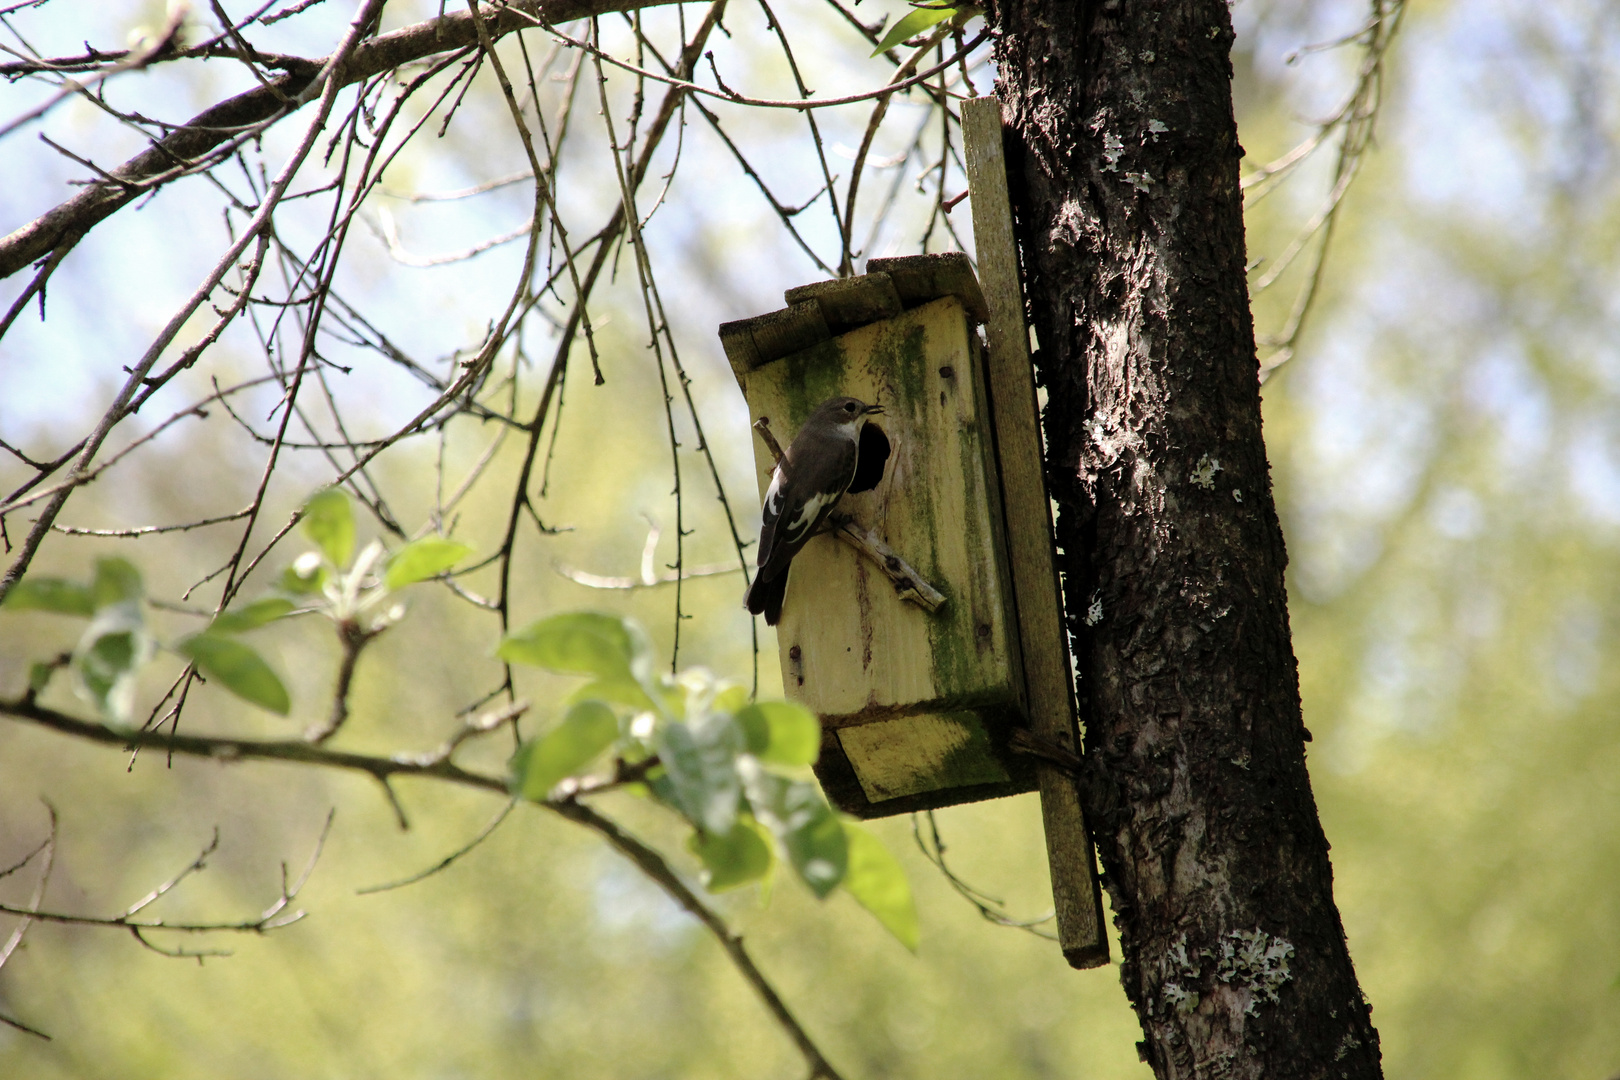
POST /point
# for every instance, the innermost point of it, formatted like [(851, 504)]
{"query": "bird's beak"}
[(871, 410)]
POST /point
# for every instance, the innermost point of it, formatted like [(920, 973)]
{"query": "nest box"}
[(931, 644), (920, 700)]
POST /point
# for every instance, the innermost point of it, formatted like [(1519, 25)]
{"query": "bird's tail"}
[(765, 597)]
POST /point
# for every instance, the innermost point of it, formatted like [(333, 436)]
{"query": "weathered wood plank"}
[(850, 303), (752, 342), (1076, 895), (920, 279), (738, 341)]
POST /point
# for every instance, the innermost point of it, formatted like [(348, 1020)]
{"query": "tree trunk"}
[(1124, 159)]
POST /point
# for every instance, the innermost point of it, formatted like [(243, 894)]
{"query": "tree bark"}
[(1124, 158)]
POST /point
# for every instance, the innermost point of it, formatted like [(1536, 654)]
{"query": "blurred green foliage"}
[(699, 746)]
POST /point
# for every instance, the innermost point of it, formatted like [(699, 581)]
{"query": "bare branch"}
[(272, 918), (669, 577), (990, 908), (151, 530), (460, 193), (132, 62), (223, 748), (445, 863), (196, 865), (477, 725), (908, 584), (649, 577), (1357, 119), (800, 104), (253, 110), (608, 236), (648, 860), (257, 229), (20, 499), (655, 867), (389, 232), (353, 638), (47, 848)]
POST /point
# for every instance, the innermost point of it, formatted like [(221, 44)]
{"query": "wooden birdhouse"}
[(923, 626), (918, 693)]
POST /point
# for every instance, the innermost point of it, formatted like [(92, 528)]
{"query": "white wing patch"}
[(773, 494), (808, 514)]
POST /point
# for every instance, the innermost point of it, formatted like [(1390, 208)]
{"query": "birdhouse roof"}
[(826, 309)]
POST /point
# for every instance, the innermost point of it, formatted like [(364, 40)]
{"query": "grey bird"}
[(819, 466)]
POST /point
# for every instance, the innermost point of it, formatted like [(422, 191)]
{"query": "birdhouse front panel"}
[(916, 705)]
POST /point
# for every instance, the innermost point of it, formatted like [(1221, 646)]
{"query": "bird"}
[(820, 465)]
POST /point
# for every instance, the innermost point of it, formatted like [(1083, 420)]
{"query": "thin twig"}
[(1357, 117), (274, 917), (353, 638), (132, 62), (766, 103), (990, 908), (47, 848), (449, 860), (138, 373)]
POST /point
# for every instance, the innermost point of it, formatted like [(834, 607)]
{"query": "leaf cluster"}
[(332, 580), (730, 767)]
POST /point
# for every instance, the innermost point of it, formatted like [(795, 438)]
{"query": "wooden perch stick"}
[(907, 582), (763, 426)]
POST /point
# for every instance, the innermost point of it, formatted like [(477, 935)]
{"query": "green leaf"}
[(422, 559), (806, 826), (913, 23), (701, 761), (51, 594), (875, 879), (107, 670), (117, 581), (580, 643), (780, 732), (741, 856), (658, 785), (731, 697), (329, 522), (238, 668), (110, 654), (39, 676), (587, 729), (252, 616), (819, 851), (306, 575), (613, 649), (624, 691)]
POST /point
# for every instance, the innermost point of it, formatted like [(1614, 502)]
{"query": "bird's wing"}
[(792, 515), (771, 515), (808, 515)]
